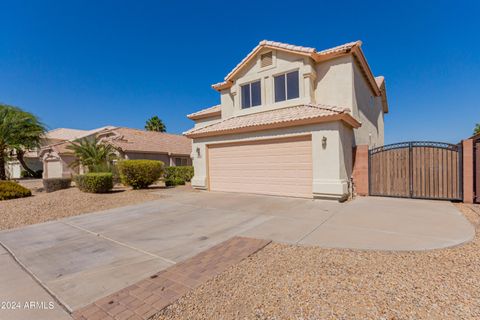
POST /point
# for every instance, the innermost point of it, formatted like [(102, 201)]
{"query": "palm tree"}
[(19, 131), (155, 124), (92, 154), (477, 129)]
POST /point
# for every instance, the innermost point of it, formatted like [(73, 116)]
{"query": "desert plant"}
[(54, 184), (182, 172), (19, 131), (92, 154), (140, 174), (95, 182), (12, 190), (155, 124)]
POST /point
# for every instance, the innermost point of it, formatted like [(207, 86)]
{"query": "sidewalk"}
[(28, 300)]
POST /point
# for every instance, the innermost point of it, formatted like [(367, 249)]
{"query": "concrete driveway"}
[(81, 259)]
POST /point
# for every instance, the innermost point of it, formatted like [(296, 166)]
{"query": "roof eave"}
[(358, 53), (204, 115), (345, 117)]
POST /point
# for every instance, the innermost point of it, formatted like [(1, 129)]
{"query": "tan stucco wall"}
[(148, 156), (330, 172), (166, 159), (367, 108), (336, 82), (200, 123), (282, 63)]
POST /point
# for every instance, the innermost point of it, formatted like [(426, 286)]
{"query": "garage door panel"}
[(275, 167), (260, 166), (239, 152), (271, 175), (297, 191), (270, 159), (270, 181)]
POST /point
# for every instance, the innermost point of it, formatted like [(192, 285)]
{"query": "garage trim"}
[(261, 140)]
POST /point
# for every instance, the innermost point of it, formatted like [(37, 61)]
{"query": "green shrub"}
[(171, 182), (184, 173), (54, 184), (12, 190), (140, 173), (95, 182)]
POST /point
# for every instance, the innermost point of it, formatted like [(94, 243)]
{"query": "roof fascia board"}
[(205, 115), (346, 117)]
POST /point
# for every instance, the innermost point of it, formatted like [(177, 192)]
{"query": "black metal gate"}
[(417, 169)]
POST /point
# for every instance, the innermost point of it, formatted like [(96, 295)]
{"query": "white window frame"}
[(286, 86)]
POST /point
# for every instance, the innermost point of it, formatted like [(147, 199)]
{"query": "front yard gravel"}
[(43, 206), (295, 282)]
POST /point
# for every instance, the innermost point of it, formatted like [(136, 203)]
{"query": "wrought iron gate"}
[(418, 169)]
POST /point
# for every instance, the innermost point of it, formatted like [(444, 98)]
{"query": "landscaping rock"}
[(296, 282)]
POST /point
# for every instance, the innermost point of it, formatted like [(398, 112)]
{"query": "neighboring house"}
[(173, 150), (288, 120), (32, 158)]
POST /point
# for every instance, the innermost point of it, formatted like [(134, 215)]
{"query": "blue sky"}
[(85, 64)]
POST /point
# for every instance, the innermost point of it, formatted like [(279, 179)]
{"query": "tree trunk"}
[(20, 154), (3, 173)]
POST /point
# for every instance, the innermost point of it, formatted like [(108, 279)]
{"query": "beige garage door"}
[(275, 167)]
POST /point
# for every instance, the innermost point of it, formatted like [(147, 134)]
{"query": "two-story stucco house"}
[(288, 121)]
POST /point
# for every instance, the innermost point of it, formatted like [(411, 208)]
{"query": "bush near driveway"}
[(171, 182), (12, 190), (95, 182), (54, 184), (184, 173), (140, 174)]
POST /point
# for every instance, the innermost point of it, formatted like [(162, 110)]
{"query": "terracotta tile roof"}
[(289, 47), (64, 133), (341, 48), (72, 134), (208, 112), (134, 140), (281, 117)]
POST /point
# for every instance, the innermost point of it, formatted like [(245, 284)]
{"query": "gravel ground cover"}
[(294, 282), (43, 206)]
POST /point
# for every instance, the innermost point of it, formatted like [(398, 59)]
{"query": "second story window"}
[(286, 86), (251, 95)]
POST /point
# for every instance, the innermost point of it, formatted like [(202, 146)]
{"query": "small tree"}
[(93, 154), (477, 129), (155, 124), (19, 131)]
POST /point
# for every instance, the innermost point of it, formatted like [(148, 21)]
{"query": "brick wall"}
[(468, 172), (360, 170)]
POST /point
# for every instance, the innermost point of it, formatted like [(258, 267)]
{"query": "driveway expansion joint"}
[(35, 278), (120, 243), (149, 296)]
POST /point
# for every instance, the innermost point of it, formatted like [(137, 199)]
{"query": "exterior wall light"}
[(324, 142), (198, 152)]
